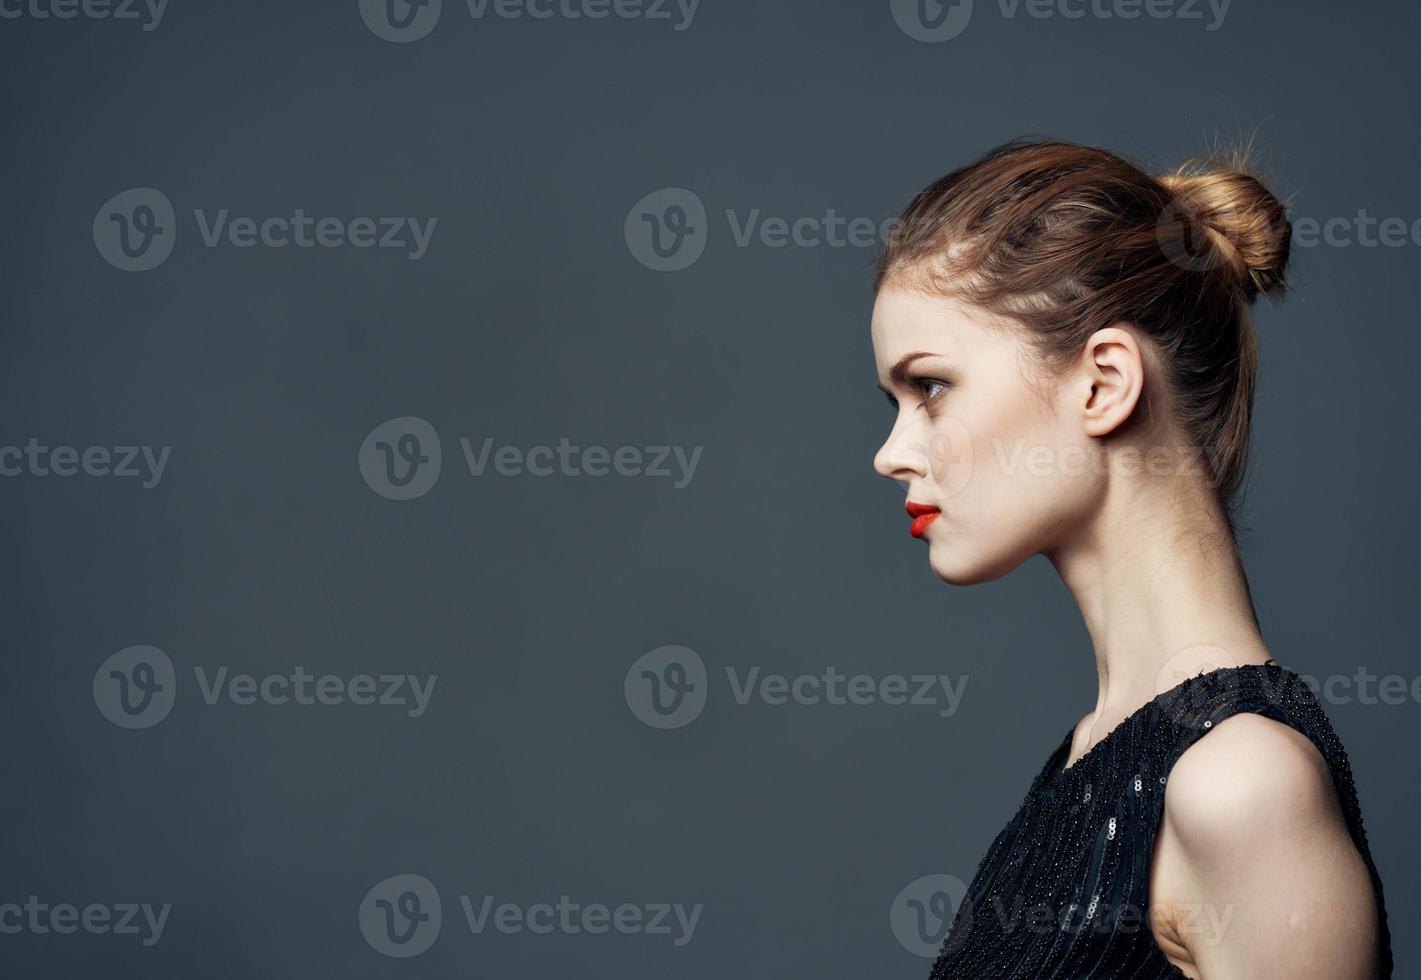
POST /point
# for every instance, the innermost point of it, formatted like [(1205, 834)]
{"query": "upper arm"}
[(1256, 875)]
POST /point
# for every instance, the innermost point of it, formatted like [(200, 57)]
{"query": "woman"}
[(1066, 342)]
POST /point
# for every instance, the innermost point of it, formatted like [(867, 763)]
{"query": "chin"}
[(957, 565)]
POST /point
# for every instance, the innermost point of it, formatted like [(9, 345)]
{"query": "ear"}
[(1113, 371)]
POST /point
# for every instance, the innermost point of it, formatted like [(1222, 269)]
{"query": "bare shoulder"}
[(1253, 833), (1250, 778)]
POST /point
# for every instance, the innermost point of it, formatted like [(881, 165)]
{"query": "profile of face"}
[(1006, 452)]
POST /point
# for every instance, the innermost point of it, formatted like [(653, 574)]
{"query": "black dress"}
[(1063, 891)]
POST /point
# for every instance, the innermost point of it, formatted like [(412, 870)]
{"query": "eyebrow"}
[(898, 373)]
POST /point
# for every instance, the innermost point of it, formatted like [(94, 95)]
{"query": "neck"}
[(1158, 579)]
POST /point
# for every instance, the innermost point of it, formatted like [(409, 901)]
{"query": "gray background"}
[(530, 320)]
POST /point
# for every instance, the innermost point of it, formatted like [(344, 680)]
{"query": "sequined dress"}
[(1062, 892)]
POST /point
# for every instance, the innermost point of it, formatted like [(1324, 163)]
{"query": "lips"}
[(922, 515)]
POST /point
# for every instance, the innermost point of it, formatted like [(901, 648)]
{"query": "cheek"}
[(1002, 443), (1020, 479), (1036, 471)]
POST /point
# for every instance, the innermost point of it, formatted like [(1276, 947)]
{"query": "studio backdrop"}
[(440, 526)]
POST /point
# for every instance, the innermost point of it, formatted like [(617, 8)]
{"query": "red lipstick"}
[(922, 515)]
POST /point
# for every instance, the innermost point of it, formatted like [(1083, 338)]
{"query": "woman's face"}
[(999, 451)]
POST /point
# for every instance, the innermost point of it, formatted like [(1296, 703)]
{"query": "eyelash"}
[(921, 384)]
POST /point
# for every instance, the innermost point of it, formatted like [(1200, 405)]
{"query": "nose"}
[(901, 456)]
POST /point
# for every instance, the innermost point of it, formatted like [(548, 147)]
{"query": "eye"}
[(930, 387), (891, 400)]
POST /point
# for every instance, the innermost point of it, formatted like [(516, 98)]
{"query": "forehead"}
[(907, 320)]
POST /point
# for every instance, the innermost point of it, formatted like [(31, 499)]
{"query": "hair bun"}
[(1247, 226)]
